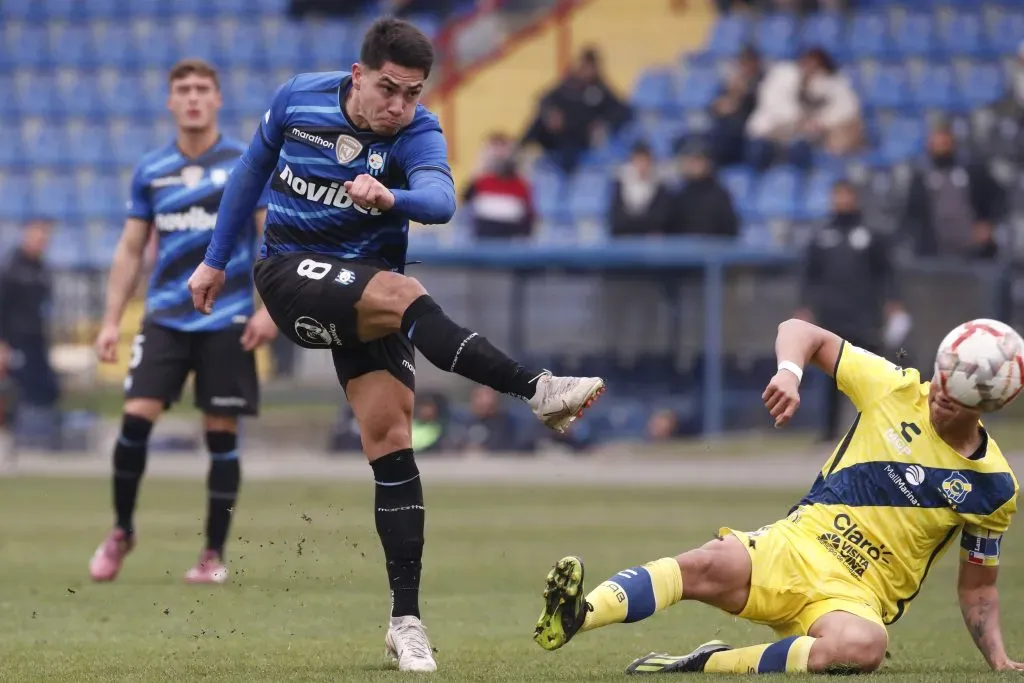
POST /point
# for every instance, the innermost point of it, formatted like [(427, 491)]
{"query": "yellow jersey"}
[(894, 496)]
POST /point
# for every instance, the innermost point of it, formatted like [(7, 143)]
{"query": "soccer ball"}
[(980, 364)]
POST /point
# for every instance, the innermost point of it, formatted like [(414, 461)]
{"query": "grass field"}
[(308, 599)]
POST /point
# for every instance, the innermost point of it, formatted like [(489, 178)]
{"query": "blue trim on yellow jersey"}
[(901, 605)]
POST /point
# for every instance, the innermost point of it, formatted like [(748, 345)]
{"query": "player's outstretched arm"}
[(430, 198), (979, 604), (123, 279), (797, 344)]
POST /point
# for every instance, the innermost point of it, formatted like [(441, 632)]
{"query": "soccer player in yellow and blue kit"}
[(915, 473)]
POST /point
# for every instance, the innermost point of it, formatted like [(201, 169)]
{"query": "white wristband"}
[(794, 368)]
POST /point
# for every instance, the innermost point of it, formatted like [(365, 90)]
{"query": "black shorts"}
[(225, 374), (312, 299)]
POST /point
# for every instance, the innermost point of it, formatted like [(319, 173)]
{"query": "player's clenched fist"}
[(782, 397), (367, 192), (106, 343), (205, 284)]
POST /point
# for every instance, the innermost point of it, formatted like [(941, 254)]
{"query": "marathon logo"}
[(310, 137), (195, 218), (321, 190)]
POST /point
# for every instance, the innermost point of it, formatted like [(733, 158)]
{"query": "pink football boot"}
[(209, 569), (107, 560)]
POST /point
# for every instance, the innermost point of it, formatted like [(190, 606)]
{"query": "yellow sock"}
[(786, 656), (635, 594)]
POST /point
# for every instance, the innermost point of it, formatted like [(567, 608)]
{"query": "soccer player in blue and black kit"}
[(353, 158), (177, 189)]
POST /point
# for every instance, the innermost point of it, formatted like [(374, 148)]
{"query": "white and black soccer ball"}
[(980, 364)]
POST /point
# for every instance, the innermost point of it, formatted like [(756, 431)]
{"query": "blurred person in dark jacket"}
[(703, 206), (849, 285), (733, 106), (430, 422), (491, 428), (639, 197), (499, 199), (25, 297), (580, 112), (952, 208)]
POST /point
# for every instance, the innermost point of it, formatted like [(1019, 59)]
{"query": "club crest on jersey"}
[(375, 162), (956, 487), (191, 175), (218, 176), (347, 149)]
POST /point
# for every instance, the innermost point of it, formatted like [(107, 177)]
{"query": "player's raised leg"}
[(380, 390), (130, 451), (396, 303), (717, 574), (837, 642)]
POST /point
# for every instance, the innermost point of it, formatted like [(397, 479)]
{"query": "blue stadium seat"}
[(30, 46), (914, 35), (101, 245), (1004, 33), (71, 47), (817, 196), (286, 47), (37, 94), (549, 188), (246, 41), (101, 9), (272, 7), (963, 33), (128, 96), (99, 196), (756, 234), (55, 197), (653, 91), (739, 181), (203, 41), (14, 197), (9, 105), (775, 36), (68, 247), (116, 47), (589, 194), (230, 8), (933, 87), (728, 36), (777, 192), (80, 97), (982, 85), (902, 139), (698, 89), (131, 143), (158, 49), (91, 148), (824, 30), (23, 10), (250, 93), (884, 86), (327, 42), (869, 37)]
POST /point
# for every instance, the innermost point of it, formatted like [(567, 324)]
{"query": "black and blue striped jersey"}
[(319, 150), (180, 197)]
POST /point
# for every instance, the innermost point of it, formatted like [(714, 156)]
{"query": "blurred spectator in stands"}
[(734, 105), (430, 424), (952, 208), (663, 425), (703, 206), (25, 296), (498, 198), (640, 198), (8, 396), (577, 114), (802, 105), (849, 285), (491, 428)]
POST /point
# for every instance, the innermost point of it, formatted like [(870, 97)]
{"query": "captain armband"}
[(980, 546)]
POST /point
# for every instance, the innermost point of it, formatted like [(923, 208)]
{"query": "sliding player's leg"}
[(837, 642), (379, 380), (157, 370), (718, 574)]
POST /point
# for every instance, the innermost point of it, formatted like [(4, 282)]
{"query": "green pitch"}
[(308, 598)]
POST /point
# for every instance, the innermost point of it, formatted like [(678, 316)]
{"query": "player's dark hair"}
[(399, 42), (187, 67)]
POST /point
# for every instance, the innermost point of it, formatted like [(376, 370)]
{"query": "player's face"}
[(194, 102), (388, 97), (944, 410)]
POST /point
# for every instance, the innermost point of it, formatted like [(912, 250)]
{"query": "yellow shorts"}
[(794, 582)]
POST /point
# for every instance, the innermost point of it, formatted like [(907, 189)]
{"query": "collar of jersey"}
[(192, 160)]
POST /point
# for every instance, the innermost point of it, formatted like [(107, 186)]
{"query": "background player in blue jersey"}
[(177, 189), (353, 158)]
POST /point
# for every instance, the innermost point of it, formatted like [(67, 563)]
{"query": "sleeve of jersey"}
[(138, 204), (980, 546), (249, 181), (866, 377), (430, 198)]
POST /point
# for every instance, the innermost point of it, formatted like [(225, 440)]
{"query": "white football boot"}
[(560, 400), (407, 643)]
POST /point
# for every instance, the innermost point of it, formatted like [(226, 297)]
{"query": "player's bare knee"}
[(220, 423), (380, 441), (146, 408), (384, 302), (849, 650)]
